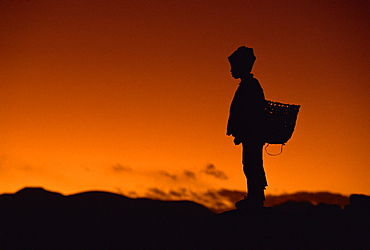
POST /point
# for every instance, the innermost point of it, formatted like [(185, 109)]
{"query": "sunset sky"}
[(133, 96)]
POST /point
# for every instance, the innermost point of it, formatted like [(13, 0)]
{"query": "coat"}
[(246, 118)]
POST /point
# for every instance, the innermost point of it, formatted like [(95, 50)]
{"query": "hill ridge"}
[(37, 218)]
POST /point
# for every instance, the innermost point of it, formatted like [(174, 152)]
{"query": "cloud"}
[(185, 175), (157, 193), (131, 193), (211, 170), (231, 195), (201, 177), (120, 168), (176, 193), (189, 174), (171, 176), (209, 198)]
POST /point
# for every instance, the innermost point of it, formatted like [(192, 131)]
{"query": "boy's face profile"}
[(241, 62), (239, 70), (235, 72)]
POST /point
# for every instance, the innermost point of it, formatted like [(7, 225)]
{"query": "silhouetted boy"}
[(246, 124)]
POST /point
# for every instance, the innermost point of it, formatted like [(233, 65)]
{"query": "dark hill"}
[(37, 219)]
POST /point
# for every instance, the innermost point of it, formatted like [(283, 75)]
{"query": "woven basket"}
[(280, 121)]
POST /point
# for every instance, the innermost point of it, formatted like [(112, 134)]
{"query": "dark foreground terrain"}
[(37, 219)]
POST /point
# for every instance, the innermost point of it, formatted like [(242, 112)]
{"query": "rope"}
[(281, 150)]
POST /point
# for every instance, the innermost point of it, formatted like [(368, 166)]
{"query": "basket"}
[(280, 121)]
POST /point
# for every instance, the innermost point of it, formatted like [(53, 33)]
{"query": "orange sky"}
[(125, 96)]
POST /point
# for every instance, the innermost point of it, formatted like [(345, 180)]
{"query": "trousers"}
[(253, 168)]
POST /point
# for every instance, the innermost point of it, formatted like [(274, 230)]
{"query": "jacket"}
[(246, 118)]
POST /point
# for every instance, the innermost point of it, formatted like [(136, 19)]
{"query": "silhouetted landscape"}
[(34, 218)]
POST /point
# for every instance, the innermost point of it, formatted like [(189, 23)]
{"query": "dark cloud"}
[(130, 193), (211, 170), (189, 174), (120, 168), (175, 194), (231, 195), (164, 173), (159, 194), (209, 198), (199, 197)]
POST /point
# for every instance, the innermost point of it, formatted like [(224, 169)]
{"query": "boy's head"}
[(241, 62)]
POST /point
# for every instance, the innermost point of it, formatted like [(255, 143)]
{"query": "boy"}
[(246, 124)]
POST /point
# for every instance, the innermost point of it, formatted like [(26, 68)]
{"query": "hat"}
[(243, 56)]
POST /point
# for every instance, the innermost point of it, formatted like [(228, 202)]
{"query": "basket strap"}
[(281, 150)]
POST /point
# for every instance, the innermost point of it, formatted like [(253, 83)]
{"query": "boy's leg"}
[(254, 171)]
